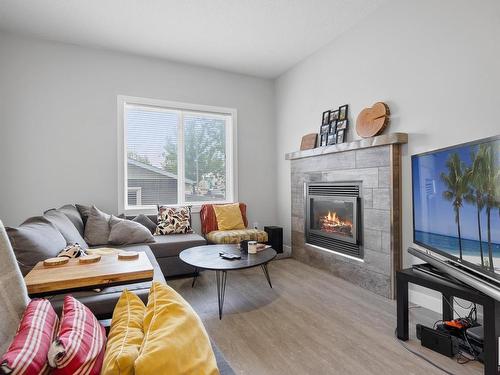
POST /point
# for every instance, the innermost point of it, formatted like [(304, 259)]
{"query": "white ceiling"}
[(257, 37)]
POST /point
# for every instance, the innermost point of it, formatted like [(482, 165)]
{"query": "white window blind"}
[(176, 155)]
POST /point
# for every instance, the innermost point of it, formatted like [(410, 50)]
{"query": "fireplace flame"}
[(332, 223)]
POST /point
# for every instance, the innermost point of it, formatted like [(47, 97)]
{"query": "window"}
[(174, 153)]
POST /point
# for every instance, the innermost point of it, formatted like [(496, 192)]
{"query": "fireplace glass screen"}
[(333, 217)]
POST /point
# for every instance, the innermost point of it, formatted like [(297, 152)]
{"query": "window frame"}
[(181, 108)]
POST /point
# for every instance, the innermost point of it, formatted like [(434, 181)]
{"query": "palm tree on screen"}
[(491, 190), (476, 194), (458, 186)]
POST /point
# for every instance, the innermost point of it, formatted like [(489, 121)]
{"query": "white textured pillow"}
[(13, 293), (97, 227), (126, 232)]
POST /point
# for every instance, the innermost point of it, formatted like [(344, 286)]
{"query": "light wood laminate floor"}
[(310, 323)]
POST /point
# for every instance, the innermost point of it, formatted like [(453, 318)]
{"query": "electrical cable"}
[(471, 321), (421, 356), (463, 307)]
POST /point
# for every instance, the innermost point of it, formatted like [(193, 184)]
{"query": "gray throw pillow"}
[(127, 232), (84, 212), (66, 227), (35, 240), (74, 216), (97, 227), (13, 293), (146, 221)]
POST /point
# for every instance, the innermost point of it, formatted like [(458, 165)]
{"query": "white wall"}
[(436, 63), (58, 123)]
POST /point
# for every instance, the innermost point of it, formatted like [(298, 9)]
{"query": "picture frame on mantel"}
[(340, 136), (334, 116), (343, 112), (323, 139), (326, 118), (332, 139)]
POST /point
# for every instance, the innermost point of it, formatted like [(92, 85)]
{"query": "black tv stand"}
[(449, 287)]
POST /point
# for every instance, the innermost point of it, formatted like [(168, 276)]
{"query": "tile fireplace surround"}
[(375, 163)]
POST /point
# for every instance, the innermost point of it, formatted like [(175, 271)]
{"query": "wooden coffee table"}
[(207, 258), (73, 276)]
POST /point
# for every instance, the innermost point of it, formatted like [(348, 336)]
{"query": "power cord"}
[(421, 356), (461, 358), (471, 320)]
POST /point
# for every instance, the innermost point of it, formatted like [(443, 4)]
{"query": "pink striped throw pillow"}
[(79, 346), (27, 354)]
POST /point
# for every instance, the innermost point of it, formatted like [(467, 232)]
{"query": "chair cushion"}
[(13, 292), (103, 302), (236, 236), (27, 354), (175, 340), (229, 216), (80, 343), (209, 220), (66, 227), (125, 336), (35, 240), (173, 244)]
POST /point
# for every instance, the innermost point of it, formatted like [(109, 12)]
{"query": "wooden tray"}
[(73, 275)]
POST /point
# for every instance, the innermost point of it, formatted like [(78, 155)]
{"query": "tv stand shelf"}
[(450, 288)]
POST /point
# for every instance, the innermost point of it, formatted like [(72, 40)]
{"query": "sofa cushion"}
[(236, 236), (97, 227), (209, 220), (74, 216), (35, 240), (125, 336), (174, 220), (13, 292), (66, 227), (175, 340), (173, 244), (102, 302), (84, 212), (146, 221), (124, 232), (27, 354), (80, 343)]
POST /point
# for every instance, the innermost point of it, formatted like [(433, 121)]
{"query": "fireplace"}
[(333, 217)]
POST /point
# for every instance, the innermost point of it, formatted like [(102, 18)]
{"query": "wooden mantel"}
[(380, 140)]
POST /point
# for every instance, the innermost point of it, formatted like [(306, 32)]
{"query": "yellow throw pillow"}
[(229, 216), (175, 341), (125, 336)]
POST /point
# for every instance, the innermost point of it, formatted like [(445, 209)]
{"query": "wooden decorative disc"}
[(89, 259), (372, 121), (128, 255), (309, 141), (54, 262)]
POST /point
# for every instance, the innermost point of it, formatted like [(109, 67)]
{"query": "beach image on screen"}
[(456, 202)]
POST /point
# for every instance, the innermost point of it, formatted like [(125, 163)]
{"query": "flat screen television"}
[(456, 203)]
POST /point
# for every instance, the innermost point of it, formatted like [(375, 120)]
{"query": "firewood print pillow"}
[(173, 220)]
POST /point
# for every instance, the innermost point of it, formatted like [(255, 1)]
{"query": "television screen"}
[(456, 202)]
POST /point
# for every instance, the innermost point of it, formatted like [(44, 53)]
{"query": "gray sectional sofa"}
[(163, 254)]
